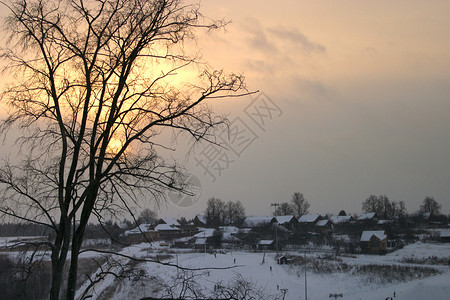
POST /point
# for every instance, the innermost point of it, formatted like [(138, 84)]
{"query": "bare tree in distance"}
[(383, 207), (299, 204), (234, 213), (215, 212), (147, 216), (284, 209), (297, 207), (430, 206), (95, 84)]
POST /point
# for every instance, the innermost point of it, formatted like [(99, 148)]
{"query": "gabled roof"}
[(169, 221), (205, 233), (340, 219), (201, 218), (367, 235), (166, 227), (140, 229), (258, 221), (284, 219), (367, 216), (322, 223), (309, 218)]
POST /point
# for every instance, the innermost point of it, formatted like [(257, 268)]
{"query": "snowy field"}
[(265, 275)]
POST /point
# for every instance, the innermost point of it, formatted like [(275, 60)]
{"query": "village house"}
[(199, 221), (308, 222), (339, 220), (252, 222), (266, 245), (444, 236), (373, 242), (309, 219), (229, 236), (167, 232), (169, 221), (324, 226), (289, 222), (282, 260), (368, 218), (141, 233)]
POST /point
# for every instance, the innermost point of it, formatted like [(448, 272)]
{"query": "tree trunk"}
[(73, 270), (58, 258), (77, 240), (57, 271)]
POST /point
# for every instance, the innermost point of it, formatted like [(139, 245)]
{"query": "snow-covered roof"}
[(166, 227), (228, 237), (445, 233), (367, 216), (200, 241), (201, 218), (322, 223), (141, 228), (229, 229), (284, 219), (265, 242), (183, 239), (228, 233), (257, 221), (169, 221), (340, 219), (205, 233), (382, 222), (122, 225), (308, 218), (367, 235)]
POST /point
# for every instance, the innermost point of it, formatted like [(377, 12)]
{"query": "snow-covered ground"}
[(265, 274)]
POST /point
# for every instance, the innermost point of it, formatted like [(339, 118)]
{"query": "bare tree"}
[(234, 213), (187, 285), (284, 209), (215, 212), (299, 205), (383, 207), (147, 216), (95, 84), (430, 206)]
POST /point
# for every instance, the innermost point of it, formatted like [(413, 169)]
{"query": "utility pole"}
[(276, 237), (275, 205), (306, 286), (204, 237)]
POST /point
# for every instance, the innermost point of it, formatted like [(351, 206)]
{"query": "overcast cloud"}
[(364, 94)]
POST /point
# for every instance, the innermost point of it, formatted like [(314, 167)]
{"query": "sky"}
[(353, 99), (363, 88)]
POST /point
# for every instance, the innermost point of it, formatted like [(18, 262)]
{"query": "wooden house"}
[(373, 242)]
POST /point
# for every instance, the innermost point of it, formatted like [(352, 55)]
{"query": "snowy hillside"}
[(350, 276)]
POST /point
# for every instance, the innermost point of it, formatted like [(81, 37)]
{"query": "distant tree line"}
[(383, 207), (298, 206), (218, 212)]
